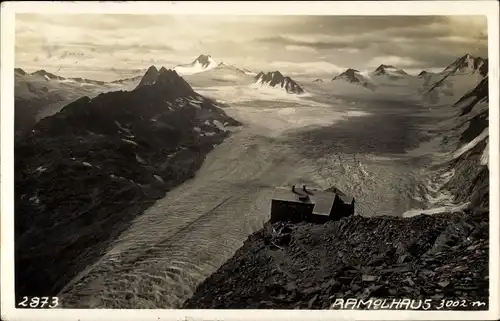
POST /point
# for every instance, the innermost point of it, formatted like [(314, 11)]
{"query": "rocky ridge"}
[(276, 79), (125, 149)]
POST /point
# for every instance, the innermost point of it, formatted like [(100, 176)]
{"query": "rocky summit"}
[(83, 174), (276, 79)]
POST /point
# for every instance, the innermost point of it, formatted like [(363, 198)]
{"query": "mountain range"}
[(42, 93), (202, 63)]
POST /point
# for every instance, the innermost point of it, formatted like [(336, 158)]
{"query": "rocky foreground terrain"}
[(83, 174)]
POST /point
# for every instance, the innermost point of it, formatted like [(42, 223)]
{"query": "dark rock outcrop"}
[(47, 75), (468, 63), (83, 174), (43, 91), (149, 77), (29, 99)]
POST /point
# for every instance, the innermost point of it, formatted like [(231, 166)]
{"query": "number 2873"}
[(39, 302)]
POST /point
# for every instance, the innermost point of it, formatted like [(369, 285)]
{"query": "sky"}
[(112, 46)]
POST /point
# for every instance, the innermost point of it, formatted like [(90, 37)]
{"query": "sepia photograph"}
[(246, 161)]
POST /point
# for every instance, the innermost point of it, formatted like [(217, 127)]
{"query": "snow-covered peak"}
[(223, 65), (200, 64), (47, 75), (352, 76)]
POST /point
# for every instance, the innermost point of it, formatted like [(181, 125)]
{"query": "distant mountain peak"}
[(47, 75), (201, 63), (167, 80), (276, 79), (205, 61), (353, 76), (390, 70), (423, 73), (203, 58), (149, 77), (468, 64), (382, 66), (19, 71)]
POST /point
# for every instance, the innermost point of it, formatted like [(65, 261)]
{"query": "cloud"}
[(127, 40), (306, 68)]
